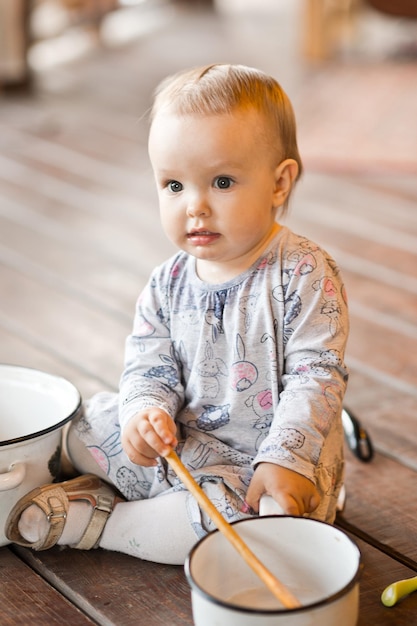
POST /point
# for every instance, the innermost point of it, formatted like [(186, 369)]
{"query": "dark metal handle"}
[(357, 437)]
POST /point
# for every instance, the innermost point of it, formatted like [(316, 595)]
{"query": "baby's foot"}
[(70, 507), (34, 526)]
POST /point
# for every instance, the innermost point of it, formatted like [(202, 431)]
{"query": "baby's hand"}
[(295, 493), (149, 434)]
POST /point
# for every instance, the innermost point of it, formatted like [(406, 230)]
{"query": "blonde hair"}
[(222, 88)]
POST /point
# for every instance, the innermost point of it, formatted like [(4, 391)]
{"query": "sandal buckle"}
[(56, 515), (56, 509), (104, 503)]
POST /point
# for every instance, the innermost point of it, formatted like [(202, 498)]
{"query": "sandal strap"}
[(54, 503), (101, 511)]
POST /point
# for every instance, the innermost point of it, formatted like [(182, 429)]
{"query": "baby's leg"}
[(157, 529), (79, 456)]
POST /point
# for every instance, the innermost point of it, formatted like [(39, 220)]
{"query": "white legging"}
[(157, 529)]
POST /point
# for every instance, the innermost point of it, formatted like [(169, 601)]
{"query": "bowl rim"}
[(280, 611), (53, 427)]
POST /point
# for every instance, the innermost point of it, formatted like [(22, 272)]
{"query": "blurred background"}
[(79, 225)]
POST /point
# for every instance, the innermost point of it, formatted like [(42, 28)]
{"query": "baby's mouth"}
[(196, 233), (202, 237)]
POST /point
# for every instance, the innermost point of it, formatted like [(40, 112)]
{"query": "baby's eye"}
[(174, 186), (223, 182)]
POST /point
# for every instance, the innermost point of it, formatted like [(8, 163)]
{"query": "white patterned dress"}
[(252, 370)]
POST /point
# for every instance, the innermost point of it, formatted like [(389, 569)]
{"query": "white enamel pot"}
[(34, 407), (316, 561)]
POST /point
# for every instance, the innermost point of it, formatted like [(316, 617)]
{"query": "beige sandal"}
[(54, 500)]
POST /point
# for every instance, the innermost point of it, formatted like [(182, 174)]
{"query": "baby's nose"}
[(198, 207)]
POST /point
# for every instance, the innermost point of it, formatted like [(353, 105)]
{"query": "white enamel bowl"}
[(316, 561), (34, 407)]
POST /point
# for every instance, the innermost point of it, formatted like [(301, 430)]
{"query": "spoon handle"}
[(274, 585)]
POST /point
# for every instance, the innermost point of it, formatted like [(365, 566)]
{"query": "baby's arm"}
[(151, 384), (301, 458), (147, 435), (295, 493)]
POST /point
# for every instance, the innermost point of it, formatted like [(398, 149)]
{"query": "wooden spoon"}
[(279, 590)]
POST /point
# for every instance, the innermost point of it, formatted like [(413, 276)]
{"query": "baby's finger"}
[(151, 437), (253, 495), (313, 502), (288, 503), (139, 458), (164, 426), (132, 440)]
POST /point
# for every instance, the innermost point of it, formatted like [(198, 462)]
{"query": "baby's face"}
[(218, 186)]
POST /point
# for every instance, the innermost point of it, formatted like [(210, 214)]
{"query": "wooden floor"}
[(79, 234)]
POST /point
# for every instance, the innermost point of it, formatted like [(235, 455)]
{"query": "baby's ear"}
[(285, 175)]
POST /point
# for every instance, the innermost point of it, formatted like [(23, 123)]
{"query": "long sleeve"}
[(311, 303), (152, 373)]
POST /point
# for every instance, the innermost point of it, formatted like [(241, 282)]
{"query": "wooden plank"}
[(101, 220), (25, 598), (353, 231), (356, 200), (116, 589), (388, 414), (82, 272), (75, 331), (84, 155), (379, 503), (389, 351), (15, 350), (369, 301), (398, 189), (379, 571)]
